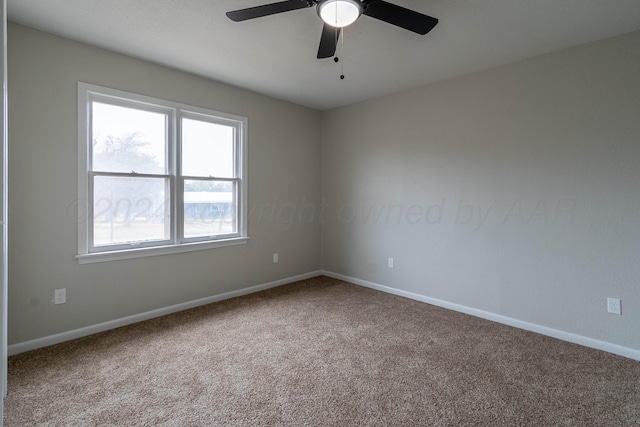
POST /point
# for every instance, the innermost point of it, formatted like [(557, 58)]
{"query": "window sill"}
[(157, 250)]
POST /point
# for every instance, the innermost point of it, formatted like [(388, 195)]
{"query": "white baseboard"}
[(124, 321), (554, 333), (112, 324)]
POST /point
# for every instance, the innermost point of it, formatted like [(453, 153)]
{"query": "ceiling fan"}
[(338, 14)]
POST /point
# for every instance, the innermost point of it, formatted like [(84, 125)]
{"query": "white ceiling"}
[(276, 55)]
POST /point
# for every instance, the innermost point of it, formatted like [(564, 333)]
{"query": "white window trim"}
[(85, 93)]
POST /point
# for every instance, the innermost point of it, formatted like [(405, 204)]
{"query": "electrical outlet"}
[(60, 296), (275, 258), (390, 262), (613, 306)]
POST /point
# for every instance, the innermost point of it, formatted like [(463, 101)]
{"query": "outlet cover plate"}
[(60, 296), (613, 306)]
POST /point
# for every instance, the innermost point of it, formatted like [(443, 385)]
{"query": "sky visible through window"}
[(207, 147)]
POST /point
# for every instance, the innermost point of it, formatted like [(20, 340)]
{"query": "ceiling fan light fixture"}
[(339, 13)]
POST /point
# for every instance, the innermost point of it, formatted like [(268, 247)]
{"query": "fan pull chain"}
[(336, 59), (342, 50)]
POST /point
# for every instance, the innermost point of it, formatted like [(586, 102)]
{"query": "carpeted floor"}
[(320, 352)]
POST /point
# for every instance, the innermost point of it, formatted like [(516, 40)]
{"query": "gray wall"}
[(284, 176), (515, 191)]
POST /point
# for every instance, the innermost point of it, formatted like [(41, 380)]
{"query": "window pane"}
[(128, 139), (130, 210), (209, 208), (207, 149)]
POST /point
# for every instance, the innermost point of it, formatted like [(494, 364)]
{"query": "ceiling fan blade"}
[(400, 16), (266, 10), (328, 41)]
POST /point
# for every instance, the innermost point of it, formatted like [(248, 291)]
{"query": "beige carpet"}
[(320, 353)]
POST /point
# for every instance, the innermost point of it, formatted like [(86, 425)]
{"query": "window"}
[(157, 177)]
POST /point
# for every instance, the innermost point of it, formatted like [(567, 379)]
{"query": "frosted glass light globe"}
[(339, 13)]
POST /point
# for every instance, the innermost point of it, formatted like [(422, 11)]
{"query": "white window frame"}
[(87, 93)]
